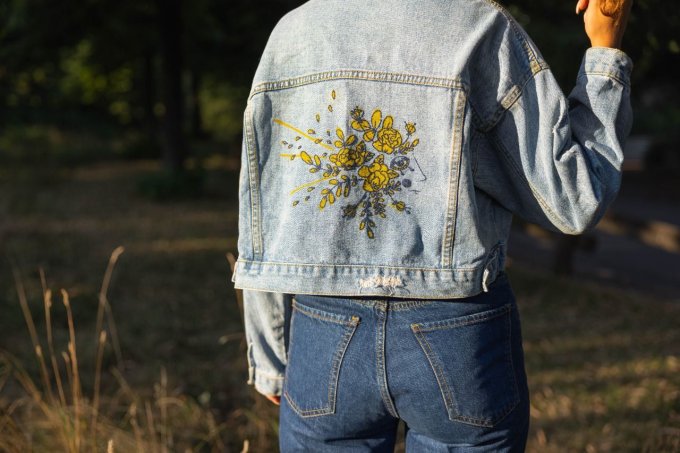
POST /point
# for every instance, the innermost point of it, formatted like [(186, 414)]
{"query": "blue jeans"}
[(452, 369)]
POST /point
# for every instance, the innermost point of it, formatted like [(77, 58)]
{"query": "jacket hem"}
[(363, 280)]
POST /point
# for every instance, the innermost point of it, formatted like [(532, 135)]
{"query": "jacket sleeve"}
[(267, 320), (555, 160)]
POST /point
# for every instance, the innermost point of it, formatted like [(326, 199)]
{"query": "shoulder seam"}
[(536, 64)]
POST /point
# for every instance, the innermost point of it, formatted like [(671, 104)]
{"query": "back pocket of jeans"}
[(317, 344), (471, 359)]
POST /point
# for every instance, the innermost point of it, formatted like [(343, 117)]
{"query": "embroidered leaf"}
[(318, 117), (313, 170), (292, 156), (387, 124), (297, 138), (331, 198), (330, 108), (322, 204), (338, 144), (295, 203), (333, 94), (351, 139), (339, 191), (415, 142), (309, 189), (362, 225), (370, 233), (318, 140), (346, 193), (311, 132), (333, 181), (304, 156), (375, 118), (317, 161), (340, 134)]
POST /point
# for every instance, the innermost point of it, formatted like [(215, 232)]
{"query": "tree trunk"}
[(196, 117), (174, 147), (149, 98)]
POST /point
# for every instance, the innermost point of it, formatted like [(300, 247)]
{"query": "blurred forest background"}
[(120, 126)]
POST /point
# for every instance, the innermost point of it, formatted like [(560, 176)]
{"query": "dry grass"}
[(55, 415)]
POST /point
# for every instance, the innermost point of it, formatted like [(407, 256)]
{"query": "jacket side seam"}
[(454, 180), (253, 174)]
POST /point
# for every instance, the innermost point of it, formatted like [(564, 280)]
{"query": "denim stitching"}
[(325, 316), (425, 269), (337, 362), (253, 175), (452, 204), (380, 359), (438, 372), (612, 75), (464, 320), (360, 74)]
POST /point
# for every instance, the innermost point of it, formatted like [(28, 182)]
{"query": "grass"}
[(151, 354)]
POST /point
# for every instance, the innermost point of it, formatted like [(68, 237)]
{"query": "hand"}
[(605, 20), (274, 399)]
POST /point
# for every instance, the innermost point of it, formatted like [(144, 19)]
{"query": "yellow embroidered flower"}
[(411, 128), (350, 157), (388, 138), (376, 176)]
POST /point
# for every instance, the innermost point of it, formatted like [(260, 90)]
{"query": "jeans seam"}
[(380, 359)]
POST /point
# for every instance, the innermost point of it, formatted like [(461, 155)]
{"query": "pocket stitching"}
[(324, 315), (329, 408), (440, 375), (463, 320)]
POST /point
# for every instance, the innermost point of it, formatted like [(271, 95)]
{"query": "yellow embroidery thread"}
[(380, 174)]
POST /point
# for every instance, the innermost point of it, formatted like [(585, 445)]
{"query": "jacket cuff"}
[(264, 383), (607, 61)]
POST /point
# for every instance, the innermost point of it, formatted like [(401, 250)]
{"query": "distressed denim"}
[(387, 145), (452, 370)]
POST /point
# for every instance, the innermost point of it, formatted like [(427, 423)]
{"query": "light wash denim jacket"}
[(387, 144)]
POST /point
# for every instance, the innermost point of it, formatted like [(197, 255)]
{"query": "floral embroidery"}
[(349, 163)]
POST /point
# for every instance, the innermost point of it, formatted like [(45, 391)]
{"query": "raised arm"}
[(555, 160)]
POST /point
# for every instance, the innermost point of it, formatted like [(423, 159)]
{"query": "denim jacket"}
[(387, 145)]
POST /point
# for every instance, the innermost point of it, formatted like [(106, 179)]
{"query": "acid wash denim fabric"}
[(387, 145)]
